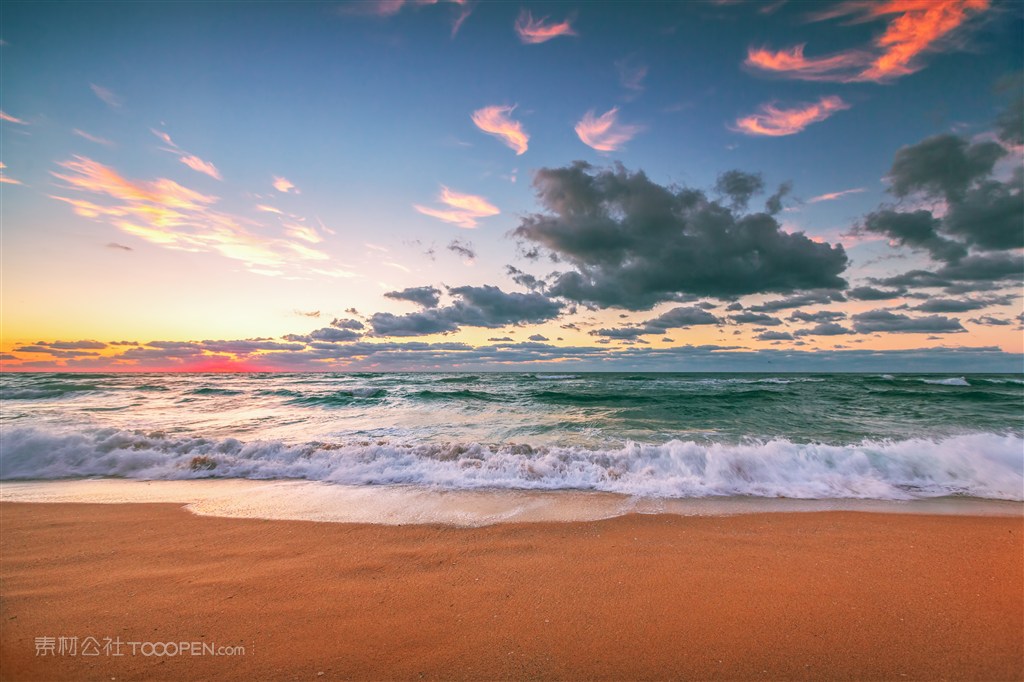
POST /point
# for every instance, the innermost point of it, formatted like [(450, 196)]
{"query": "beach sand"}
[(836, 595)]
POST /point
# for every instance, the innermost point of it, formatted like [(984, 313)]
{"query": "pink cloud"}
[(604, 133), (284, 185), (197, 164), (533, 31), (462, 209), (11, 119), (495, 121), (832, 196), (6, 180), (775, 122)]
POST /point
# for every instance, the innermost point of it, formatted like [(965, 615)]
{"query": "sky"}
[(388, 185)]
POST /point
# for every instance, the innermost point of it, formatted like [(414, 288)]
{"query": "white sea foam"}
[(983, 465), (952, 381)]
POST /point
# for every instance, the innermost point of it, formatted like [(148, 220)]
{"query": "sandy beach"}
[(835, 595)]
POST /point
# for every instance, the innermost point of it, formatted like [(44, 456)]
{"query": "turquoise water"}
[(664, 435)]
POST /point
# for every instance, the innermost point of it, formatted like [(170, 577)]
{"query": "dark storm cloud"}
[(980, 272), (739, 187), (755, 318), (484, 306), (981, 212), (918, 229), (673, 319), (1010, 124), (774, 336), (989, 321), (634, 243), (345, 323), (898, 323), (428, 297), (819, 297), (944, 165), (818, 316), (873, 294), (524, 279), (824, 329), (961, 305)]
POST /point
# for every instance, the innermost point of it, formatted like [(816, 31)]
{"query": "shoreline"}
[(834, 594)]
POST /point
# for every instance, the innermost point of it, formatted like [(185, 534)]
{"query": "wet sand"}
[(839, 595)]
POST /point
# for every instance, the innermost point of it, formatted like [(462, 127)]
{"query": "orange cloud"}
[(604, 133), (775, 122), (463, 209), (171, 215), (533, 31), (6, 180), (11, 119), (197, 164), (915, 28), (495, 121)]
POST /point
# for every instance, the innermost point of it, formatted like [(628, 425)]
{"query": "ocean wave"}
[(983, 465), (340, 398), (457, 395), (952, 381)]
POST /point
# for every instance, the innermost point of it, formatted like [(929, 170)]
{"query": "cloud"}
[(533, 31), (604, 133), (428, 297), (961, 305), (755, 318), (173, 216), (4, 179), (774, 336), (817, 316), (976, 210), (631, 74), (832, 196), (824, 329), (873, 294), (821, 296), (539, 337), (108, 96), (897, 323), (772, 121), (463, 209), (92, 138), (119, 247), (739, 187), (284, 185), (346, 323), (495, 120), (197, 164), (989, 321), (11, 119), (463, 248), (310, 313), (484, 306), (634, 243), (915, 28)]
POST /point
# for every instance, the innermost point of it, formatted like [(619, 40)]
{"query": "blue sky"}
[(255, 163)]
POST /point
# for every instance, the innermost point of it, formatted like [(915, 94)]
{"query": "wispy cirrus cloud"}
[(772, 121), (533, 31), (915, 28), (92, 138), (631, 75), (197, 164), (462, 210), (109, 97), (4, 178), (604, 133), (4, 116), (832, 196), (495, 120), (171, 215), (389, 8)]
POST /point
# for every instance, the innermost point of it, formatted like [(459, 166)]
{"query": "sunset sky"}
[(482, 185)]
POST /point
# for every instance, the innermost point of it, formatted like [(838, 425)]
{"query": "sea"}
[(485, 447)]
